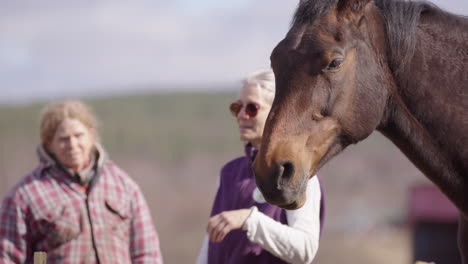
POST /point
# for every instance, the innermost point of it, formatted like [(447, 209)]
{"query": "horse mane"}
[(401, 18)]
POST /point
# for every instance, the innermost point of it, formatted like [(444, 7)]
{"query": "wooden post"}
[(40, 257)]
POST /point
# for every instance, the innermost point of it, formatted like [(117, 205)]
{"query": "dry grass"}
[(173, 145)]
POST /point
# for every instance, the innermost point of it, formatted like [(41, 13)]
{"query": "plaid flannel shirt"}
[(48, 210)]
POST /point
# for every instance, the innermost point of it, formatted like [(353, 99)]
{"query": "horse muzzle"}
[(279, 186)]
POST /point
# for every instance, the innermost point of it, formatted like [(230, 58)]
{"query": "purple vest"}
[(235, 191)]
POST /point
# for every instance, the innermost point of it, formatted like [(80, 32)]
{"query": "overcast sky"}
[(56, 48)]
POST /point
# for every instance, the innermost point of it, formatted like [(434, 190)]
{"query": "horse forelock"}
[(309, 10)]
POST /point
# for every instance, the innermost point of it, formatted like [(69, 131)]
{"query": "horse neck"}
[(426, 114)]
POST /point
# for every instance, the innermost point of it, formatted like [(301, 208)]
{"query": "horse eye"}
[(334, 65)]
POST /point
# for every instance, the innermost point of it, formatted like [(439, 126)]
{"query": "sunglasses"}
[(251, 109)]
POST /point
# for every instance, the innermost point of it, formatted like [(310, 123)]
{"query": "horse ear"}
[(354, 8)]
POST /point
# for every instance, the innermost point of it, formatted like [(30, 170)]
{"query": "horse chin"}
[(289, 201), (294, 205)]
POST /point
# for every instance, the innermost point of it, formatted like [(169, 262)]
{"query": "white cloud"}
[(56, 47)]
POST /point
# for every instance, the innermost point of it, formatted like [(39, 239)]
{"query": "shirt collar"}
[(97, 159), (250, 151)]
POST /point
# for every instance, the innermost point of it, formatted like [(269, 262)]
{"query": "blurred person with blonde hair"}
[(76, 205), (243, 227)]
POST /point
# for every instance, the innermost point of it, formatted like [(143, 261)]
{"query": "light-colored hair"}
[(55, 113), (265, 79)]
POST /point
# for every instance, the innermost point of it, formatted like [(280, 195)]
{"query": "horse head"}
[(332, 86)]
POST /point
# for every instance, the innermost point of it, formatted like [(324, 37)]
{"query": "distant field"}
[(173, 145), (165, 126)]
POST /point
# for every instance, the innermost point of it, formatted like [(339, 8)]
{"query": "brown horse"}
[(349, 67)]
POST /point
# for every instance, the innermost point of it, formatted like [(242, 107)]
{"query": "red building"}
[(434, 222)]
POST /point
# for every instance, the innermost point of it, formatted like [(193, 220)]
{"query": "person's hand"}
[(221, 224)]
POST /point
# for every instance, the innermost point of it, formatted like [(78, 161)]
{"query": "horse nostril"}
[(286, 172)]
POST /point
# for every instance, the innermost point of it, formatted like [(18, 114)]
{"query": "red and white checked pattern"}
[(48, 211)]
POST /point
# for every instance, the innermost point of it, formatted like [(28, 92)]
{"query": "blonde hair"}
[(55, 113), (265, 79)]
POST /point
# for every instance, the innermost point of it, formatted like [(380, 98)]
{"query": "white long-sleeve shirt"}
[(296, 242)]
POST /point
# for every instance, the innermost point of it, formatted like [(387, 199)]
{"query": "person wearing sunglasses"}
[(243, 227)]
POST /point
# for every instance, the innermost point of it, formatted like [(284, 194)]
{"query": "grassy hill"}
[(173, 145), (141, 125)]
